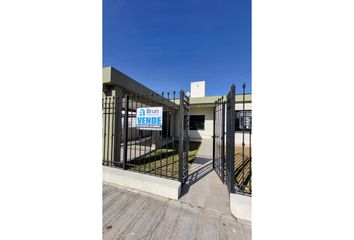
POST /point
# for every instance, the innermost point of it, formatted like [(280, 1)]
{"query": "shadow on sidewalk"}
[(197, 173)]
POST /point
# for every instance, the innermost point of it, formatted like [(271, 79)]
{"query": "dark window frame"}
[(191, 124), (237, 120)]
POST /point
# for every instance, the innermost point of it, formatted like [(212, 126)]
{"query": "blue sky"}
[(167, 44)]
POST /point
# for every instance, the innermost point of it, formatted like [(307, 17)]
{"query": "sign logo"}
[(141, 112), (149, 118)]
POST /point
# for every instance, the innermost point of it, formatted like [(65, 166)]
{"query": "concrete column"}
[(118, 124), (156, 139)]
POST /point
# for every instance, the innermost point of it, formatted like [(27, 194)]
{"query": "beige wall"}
[(238, 138), (107, 147), (208, 124), (248, 106), (208, 130)]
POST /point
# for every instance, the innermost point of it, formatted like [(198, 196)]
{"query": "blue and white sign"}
[(149, 118)]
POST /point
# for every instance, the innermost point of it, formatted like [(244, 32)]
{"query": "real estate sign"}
[(149, 118)]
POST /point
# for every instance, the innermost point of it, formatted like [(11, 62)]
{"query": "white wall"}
[(208, 124), (159, 186), (239, 106), (198, 89), (241, 206)]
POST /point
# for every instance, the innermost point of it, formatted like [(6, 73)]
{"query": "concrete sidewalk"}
[(203, 187), (202, 212), (129, 214)]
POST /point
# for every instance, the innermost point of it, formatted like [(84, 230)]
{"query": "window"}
[(196, 122), (245, 121)]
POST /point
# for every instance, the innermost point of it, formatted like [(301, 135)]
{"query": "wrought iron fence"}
[(243, 156), (110, 137), (146, 151)]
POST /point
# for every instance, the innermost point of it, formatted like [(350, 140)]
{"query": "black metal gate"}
[(224, 131), (219, 138), (233, 167), (230, 139), (184, 137)]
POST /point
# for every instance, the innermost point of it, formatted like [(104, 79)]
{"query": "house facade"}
[(202, 118), (201, 106)]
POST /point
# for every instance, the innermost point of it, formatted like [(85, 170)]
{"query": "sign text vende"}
[(149, 118)]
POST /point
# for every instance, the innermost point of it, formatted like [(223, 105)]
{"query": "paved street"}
[(129, 214)]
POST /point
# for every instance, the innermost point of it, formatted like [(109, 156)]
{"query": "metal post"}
[(173, 136), (214, 137), (126, 113), (186, 129), (167, 132), (113, 127), (250, 153), (161, 140), (231, 139), (104, 130), (117, 127), (243, 133), (223, 140), (135, 133), (108, 132), (181, 136)]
